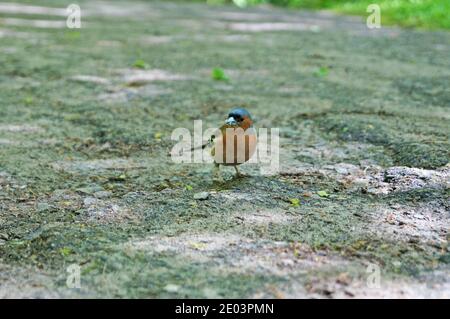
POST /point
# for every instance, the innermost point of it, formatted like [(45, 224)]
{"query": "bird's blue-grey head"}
[(237, 115)]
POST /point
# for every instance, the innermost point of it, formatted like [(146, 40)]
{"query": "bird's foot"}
[(218, 179), (239, 174), (217, 175)]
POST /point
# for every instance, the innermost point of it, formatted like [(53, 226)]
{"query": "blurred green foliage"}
[(431, 14)]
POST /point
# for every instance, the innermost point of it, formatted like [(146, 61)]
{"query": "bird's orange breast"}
[(234, 146)]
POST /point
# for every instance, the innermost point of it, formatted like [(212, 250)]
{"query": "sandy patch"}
[(263, 217), (96, 204), (236, 195), (421, 222), (16, 128), (135, 10), (96, 165), (8, 50), (4, 141), (401, 179), (16, 8), (109, 43), (24, 283), (361, 287), (272, 26), (89, 79), (105, 211), (123, 95), (380, 181), (424, 222), (238, 254), (13, 34), (390, 32), (142, 77), (240, 16), (230, 38), (45, 24), (28, 143), (367, 177)]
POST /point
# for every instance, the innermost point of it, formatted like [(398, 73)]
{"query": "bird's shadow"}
[(236, 180)]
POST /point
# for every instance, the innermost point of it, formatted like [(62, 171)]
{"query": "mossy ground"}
[(339, 94)]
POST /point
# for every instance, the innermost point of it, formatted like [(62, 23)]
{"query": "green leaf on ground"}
[(65, 251), (323, 194), (295, 202), (218, 74), (141, 64), (322, 71)]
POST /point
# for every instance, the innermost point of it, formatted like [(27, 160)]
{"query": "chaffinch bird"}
[(236, 142)]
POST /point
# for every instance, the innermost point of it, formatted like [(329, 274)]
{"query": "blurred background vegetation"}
[(429, 14)]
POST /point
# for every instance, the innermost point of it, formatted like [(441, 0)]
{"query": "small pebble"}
[(102, 194), (172, 288), (201, 196)]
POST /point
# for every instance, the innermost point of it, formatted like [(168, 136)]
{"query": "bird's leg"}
[(217, 174), (238, 174)]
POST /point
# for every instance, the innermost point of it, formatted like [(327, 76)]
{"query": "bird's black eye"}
[(237, 117)]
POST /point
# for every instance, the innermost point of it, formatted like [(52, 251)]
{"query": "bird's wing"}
[(219, 132)]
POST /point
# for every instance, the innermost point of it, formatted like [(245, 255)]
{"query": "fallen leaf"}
[(219, 75), (141, 64), (295, 202), (323, 194)]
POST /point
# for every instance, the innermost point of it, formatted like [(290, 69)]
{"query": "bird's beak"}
[(231, 121)]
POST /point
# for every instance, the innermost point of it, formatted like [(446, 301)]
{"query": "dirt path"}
[(85, 179)]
